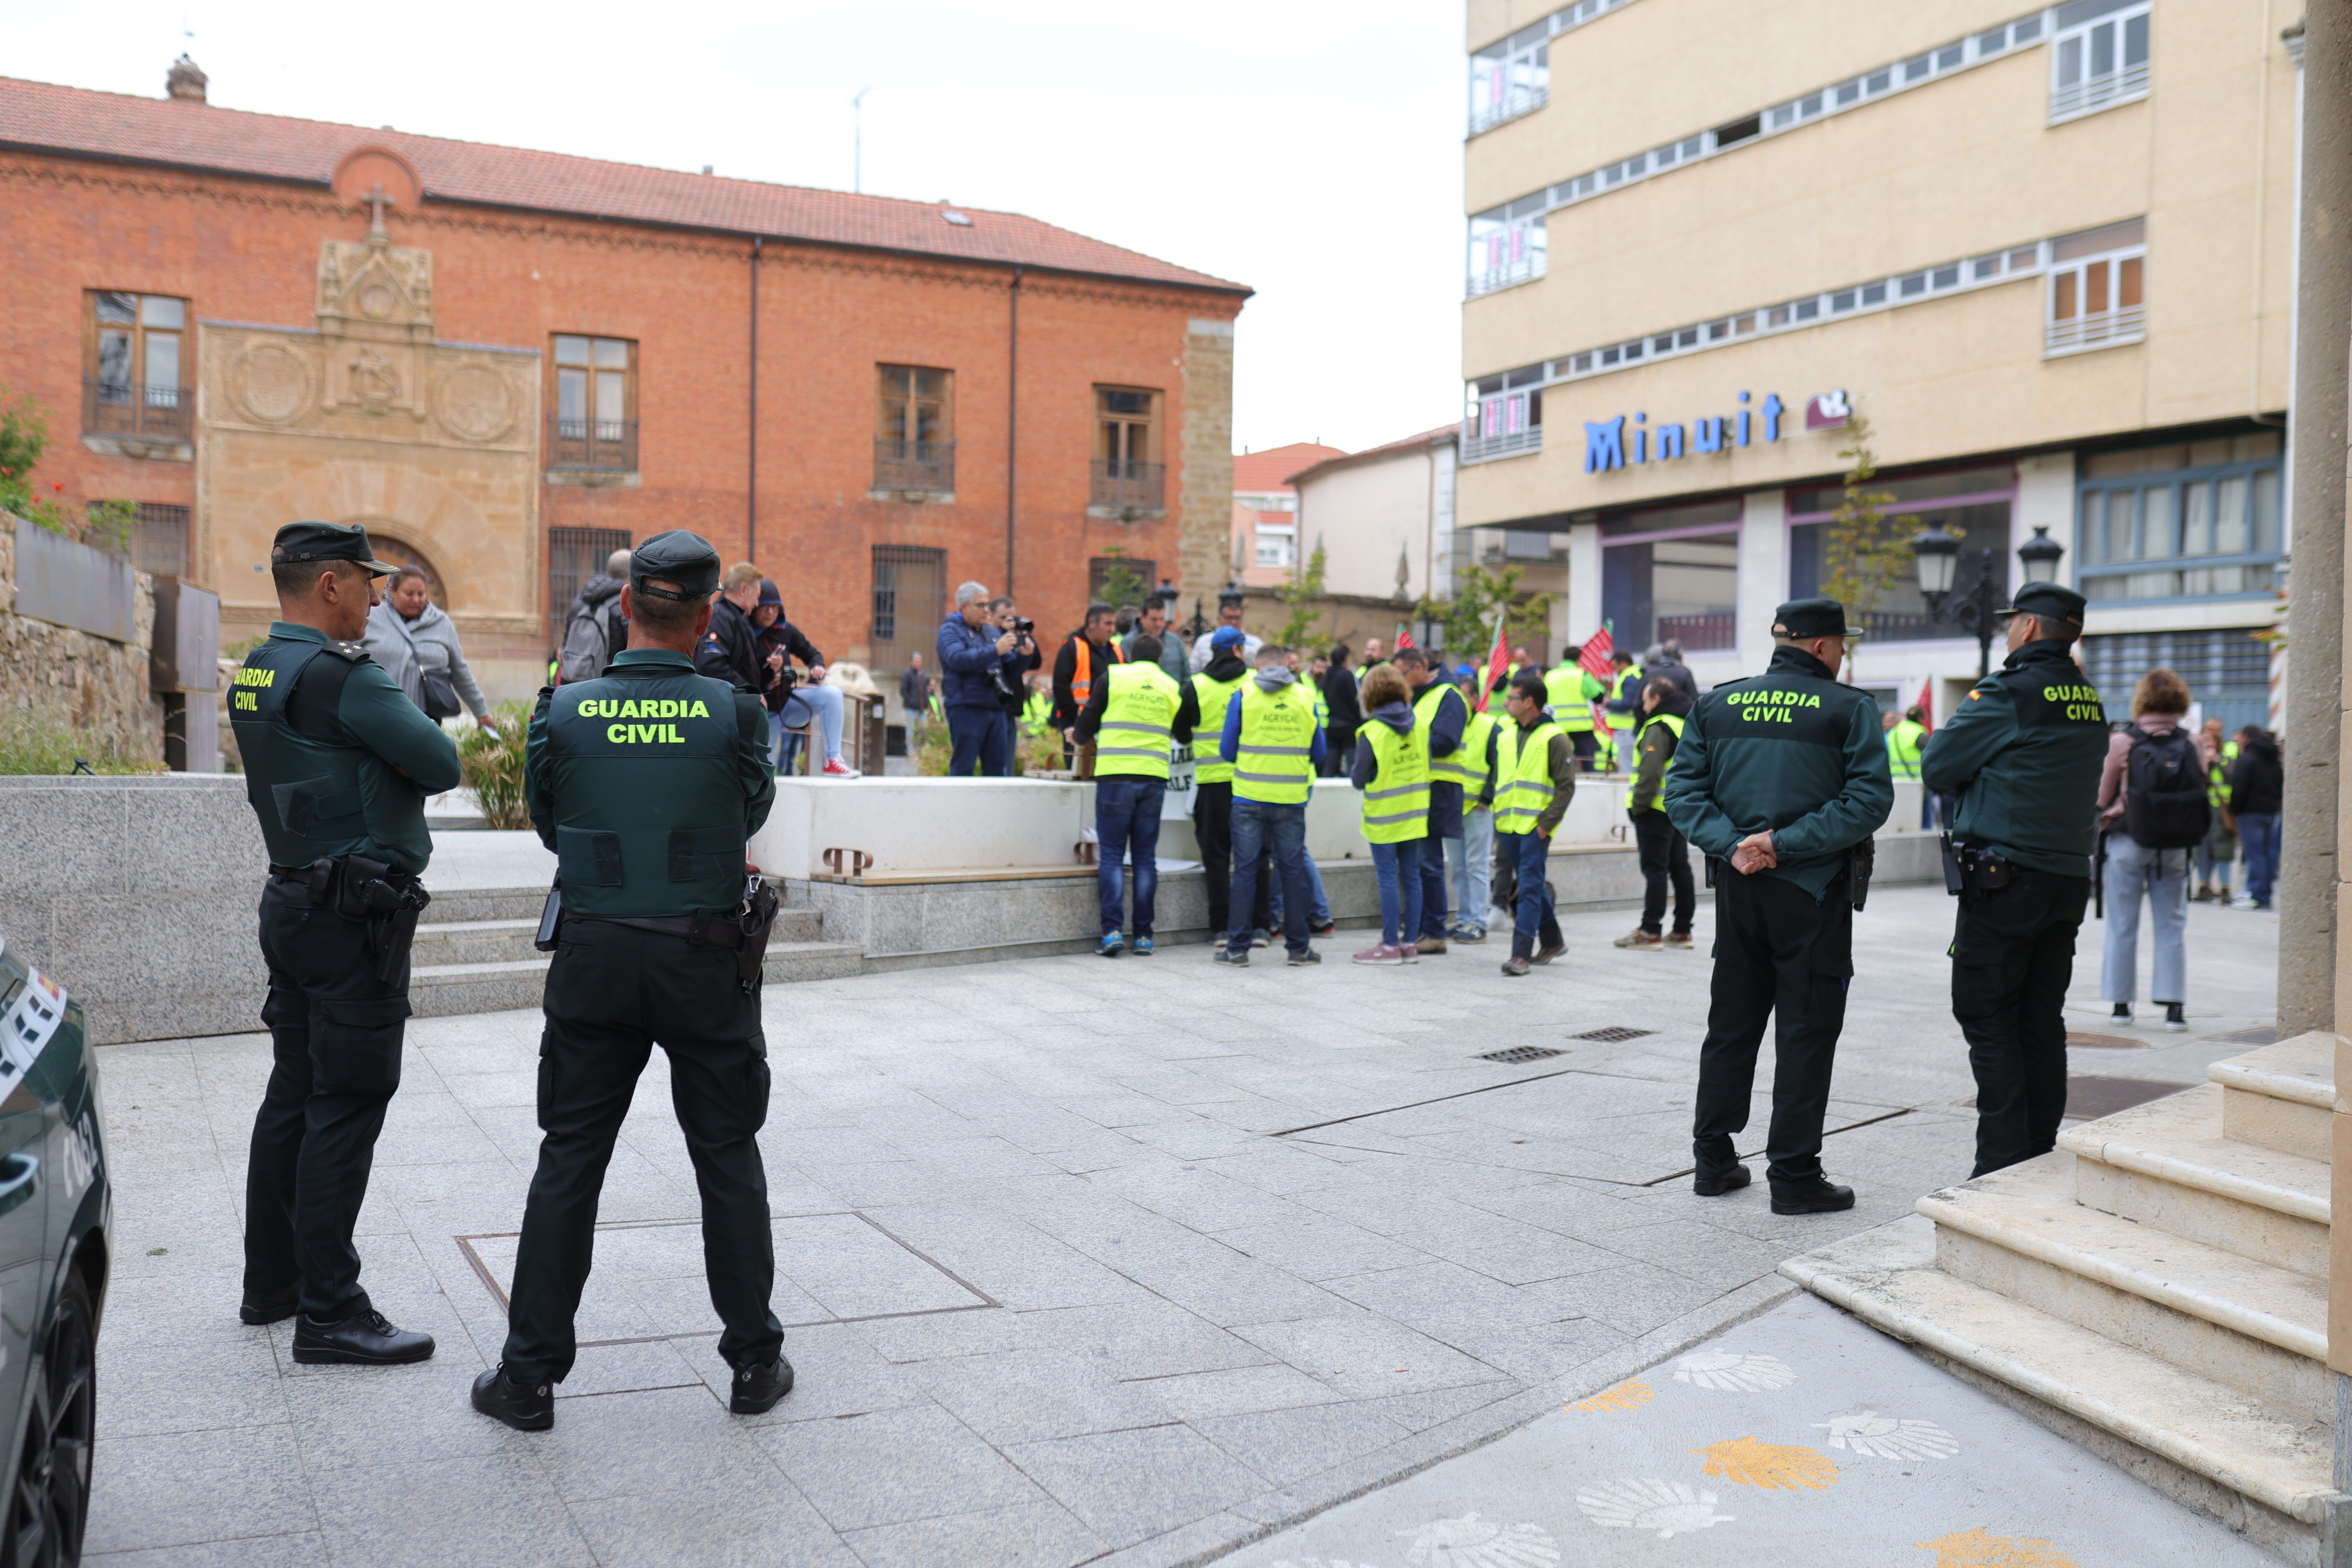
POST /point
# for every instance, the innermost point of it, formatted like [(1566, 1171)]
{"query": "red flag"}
[(1404, 636), (1498, 659), (1927, 705), (1593, 655)]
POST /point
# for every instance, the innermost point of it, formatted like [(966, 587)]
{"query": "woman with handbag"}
[(416, 642)]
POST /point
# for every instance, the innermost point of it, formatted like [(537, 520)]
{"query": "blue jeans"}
[(1318, 902), (1536, 916), (1432, 894), (1470, 866), (983, 742), (1257, 828), (2259, 832), (2163, 875), (1127, 820), (1398, 866)]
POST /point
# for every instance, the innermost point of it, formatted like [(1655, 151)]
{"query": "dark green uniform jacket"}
[(325, 736), (2024, 754), (647, 782), (1791, 751)]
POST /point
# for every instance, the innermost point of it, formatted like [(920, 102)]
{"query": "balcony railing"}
[(1485, 449), (602, 446), (1707, 629), (2104, 329), (1123, 483), (1510, 105), (913, 465), (140, 412), (1525, 269), (2097, 92)]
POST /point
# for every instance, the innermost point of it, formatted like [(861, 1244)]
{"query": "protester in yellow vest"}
[(1664, 853), (1906, 738), (1469, 860), (1569, 691), (1535, 777), (1215, 687), (1623, 705), (1134, 717), (1272, 741), (1391, 768), (2219, 850)]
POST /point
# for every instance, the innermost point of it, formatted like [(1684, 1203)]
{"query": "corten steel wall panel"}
[(1661, 70)]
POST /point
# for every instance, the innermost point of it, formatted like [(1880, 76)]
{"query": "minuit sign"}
[(1611, 444)]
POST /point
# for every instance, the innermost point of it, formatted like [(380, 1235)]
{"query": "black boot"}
[(1731, 1181), (364, 1338), (256, 1311), (757, 1388), (1820, 1195), (526, 1407)]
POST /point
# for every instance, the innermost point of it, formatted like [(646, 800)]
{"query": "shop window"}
[(2096, 288), (595, 424), (1971, 503), (135, 370), (914, 432), (2181, 520), (1671, 574), (2098, 56)]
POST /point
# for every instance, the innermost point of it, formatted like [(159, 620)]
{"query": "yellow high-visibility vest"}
[(1522, 775), (1472, 755), (1216, 698), (1137, 714), (1568, 692), (1396, 805), (1275, 763)]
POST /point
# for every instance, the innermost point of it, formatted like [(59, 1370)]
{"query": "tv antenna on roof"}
[(857, 140)]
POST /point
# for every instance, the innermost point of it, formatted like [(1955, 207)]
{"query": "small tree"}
[(1864, 553), (1122, 584), (1300, 593), (24, 436), (1468, 616)]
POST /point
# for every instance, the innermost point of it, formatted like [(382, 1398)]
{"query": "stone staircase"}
[(2156, 1288), (473, 953)]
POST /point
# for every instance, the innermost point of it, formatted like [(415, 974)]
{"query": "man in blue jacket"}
[(972, 653)]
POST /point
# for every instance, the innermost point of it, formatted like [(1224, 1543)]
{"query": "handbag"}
[(440, 693)]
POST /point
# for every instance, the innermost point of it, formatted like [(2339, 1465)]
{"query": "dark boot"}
[(1820, 1195), (1731, 1181), (526, 1407), (757, 1388)]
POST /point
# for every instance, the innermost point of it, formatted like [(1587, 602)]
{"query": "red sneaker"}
[(837, 769), (1380, 954)]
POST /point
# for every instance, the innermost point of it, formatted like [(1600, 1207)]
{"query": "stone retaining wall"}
[(56, 676)]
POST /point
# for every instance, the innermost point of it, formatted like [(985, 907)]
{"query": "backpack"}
[(588, 638), (2165, 805)]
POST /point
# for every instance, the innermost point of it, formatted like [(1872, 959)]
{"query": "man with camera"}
[(1012, 675), (974, 652)]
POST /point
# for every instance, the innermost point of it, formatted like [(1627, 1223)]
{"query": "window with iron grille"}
[(159, 539), (910, 596), (914, 428), (595, 424), (574, 555), (1127, 472), (134, 368)]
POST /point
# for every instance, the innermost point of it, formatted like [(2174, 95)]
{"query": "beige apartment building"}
[(2047, 253)]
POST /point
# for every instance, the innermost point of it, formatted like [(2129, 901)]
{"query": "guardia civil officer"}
[(1780, 778), (2024, 753), (338, 764), (647, 782)]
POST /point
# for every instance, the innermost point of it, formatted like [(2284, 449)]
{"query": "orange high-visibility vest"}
[(1082, 676)]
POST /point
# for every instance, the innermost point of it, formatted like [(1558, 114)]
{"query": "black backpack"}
[(2165, 805)]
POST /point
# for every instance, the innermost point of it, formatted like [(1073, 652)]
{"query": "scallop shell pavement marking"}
[(1470, 1541), (1733, 1372), (1771, 1466), (1630, 1394), (1667, 1507), (1976, 1548), (1887, 1437)]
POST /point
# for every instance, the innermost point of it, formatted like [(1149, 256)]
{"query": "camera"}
[(1023, 625)]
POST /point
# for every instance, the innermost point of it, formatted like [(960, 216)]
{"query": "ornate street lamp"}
[(1938, 558), (2041, 555)]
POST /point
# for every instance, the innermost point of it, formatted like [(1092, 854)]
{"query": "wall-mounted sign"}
[(1613, 443)]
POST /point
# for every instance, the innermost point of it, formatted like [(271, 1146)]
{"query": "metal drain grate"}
[(1613, 1033), (1519, 1054)]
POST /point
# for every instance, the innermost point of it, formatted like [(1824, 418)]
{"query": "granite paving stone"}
[(1199, 1329)]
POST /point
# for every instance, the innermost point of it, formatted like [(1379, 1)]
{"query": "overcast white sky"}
[(1309, 148)]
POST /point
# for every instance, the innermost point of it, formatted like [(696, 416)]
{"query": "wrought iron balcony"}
[(1126, 484), (914, 466), (600, 446), (139, 412)]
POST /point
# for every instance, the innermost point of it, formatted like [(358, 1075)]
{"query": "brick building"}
[(505, 362)]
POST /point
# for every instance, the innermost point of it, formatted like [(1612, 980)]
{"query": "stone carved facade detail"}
[(272, 383), (473, 402)]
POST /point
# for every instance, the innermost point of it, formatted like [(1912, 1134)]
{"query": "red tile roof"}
[(43, 117), (1256, 473)]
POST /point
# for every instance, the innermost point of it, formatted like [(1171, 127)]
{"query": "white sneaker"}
[(836, 769), (2243, 904)]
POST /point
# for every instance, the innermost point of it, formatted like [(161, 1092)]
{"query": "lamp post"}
[(1938, 558)]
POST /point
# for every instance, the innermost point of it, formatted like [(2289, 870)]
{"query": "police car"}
[(56, 1212)]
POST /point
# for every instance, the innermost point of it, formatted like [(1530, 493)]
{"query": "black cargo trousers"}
[(2012, 959), (611, 993), (1783, 954), (335, 1036)]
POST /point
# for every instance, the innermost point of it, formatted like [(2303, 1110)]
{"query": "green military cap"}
[(676, 556), (327, 541), (2050, 602), (1801, 619)]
